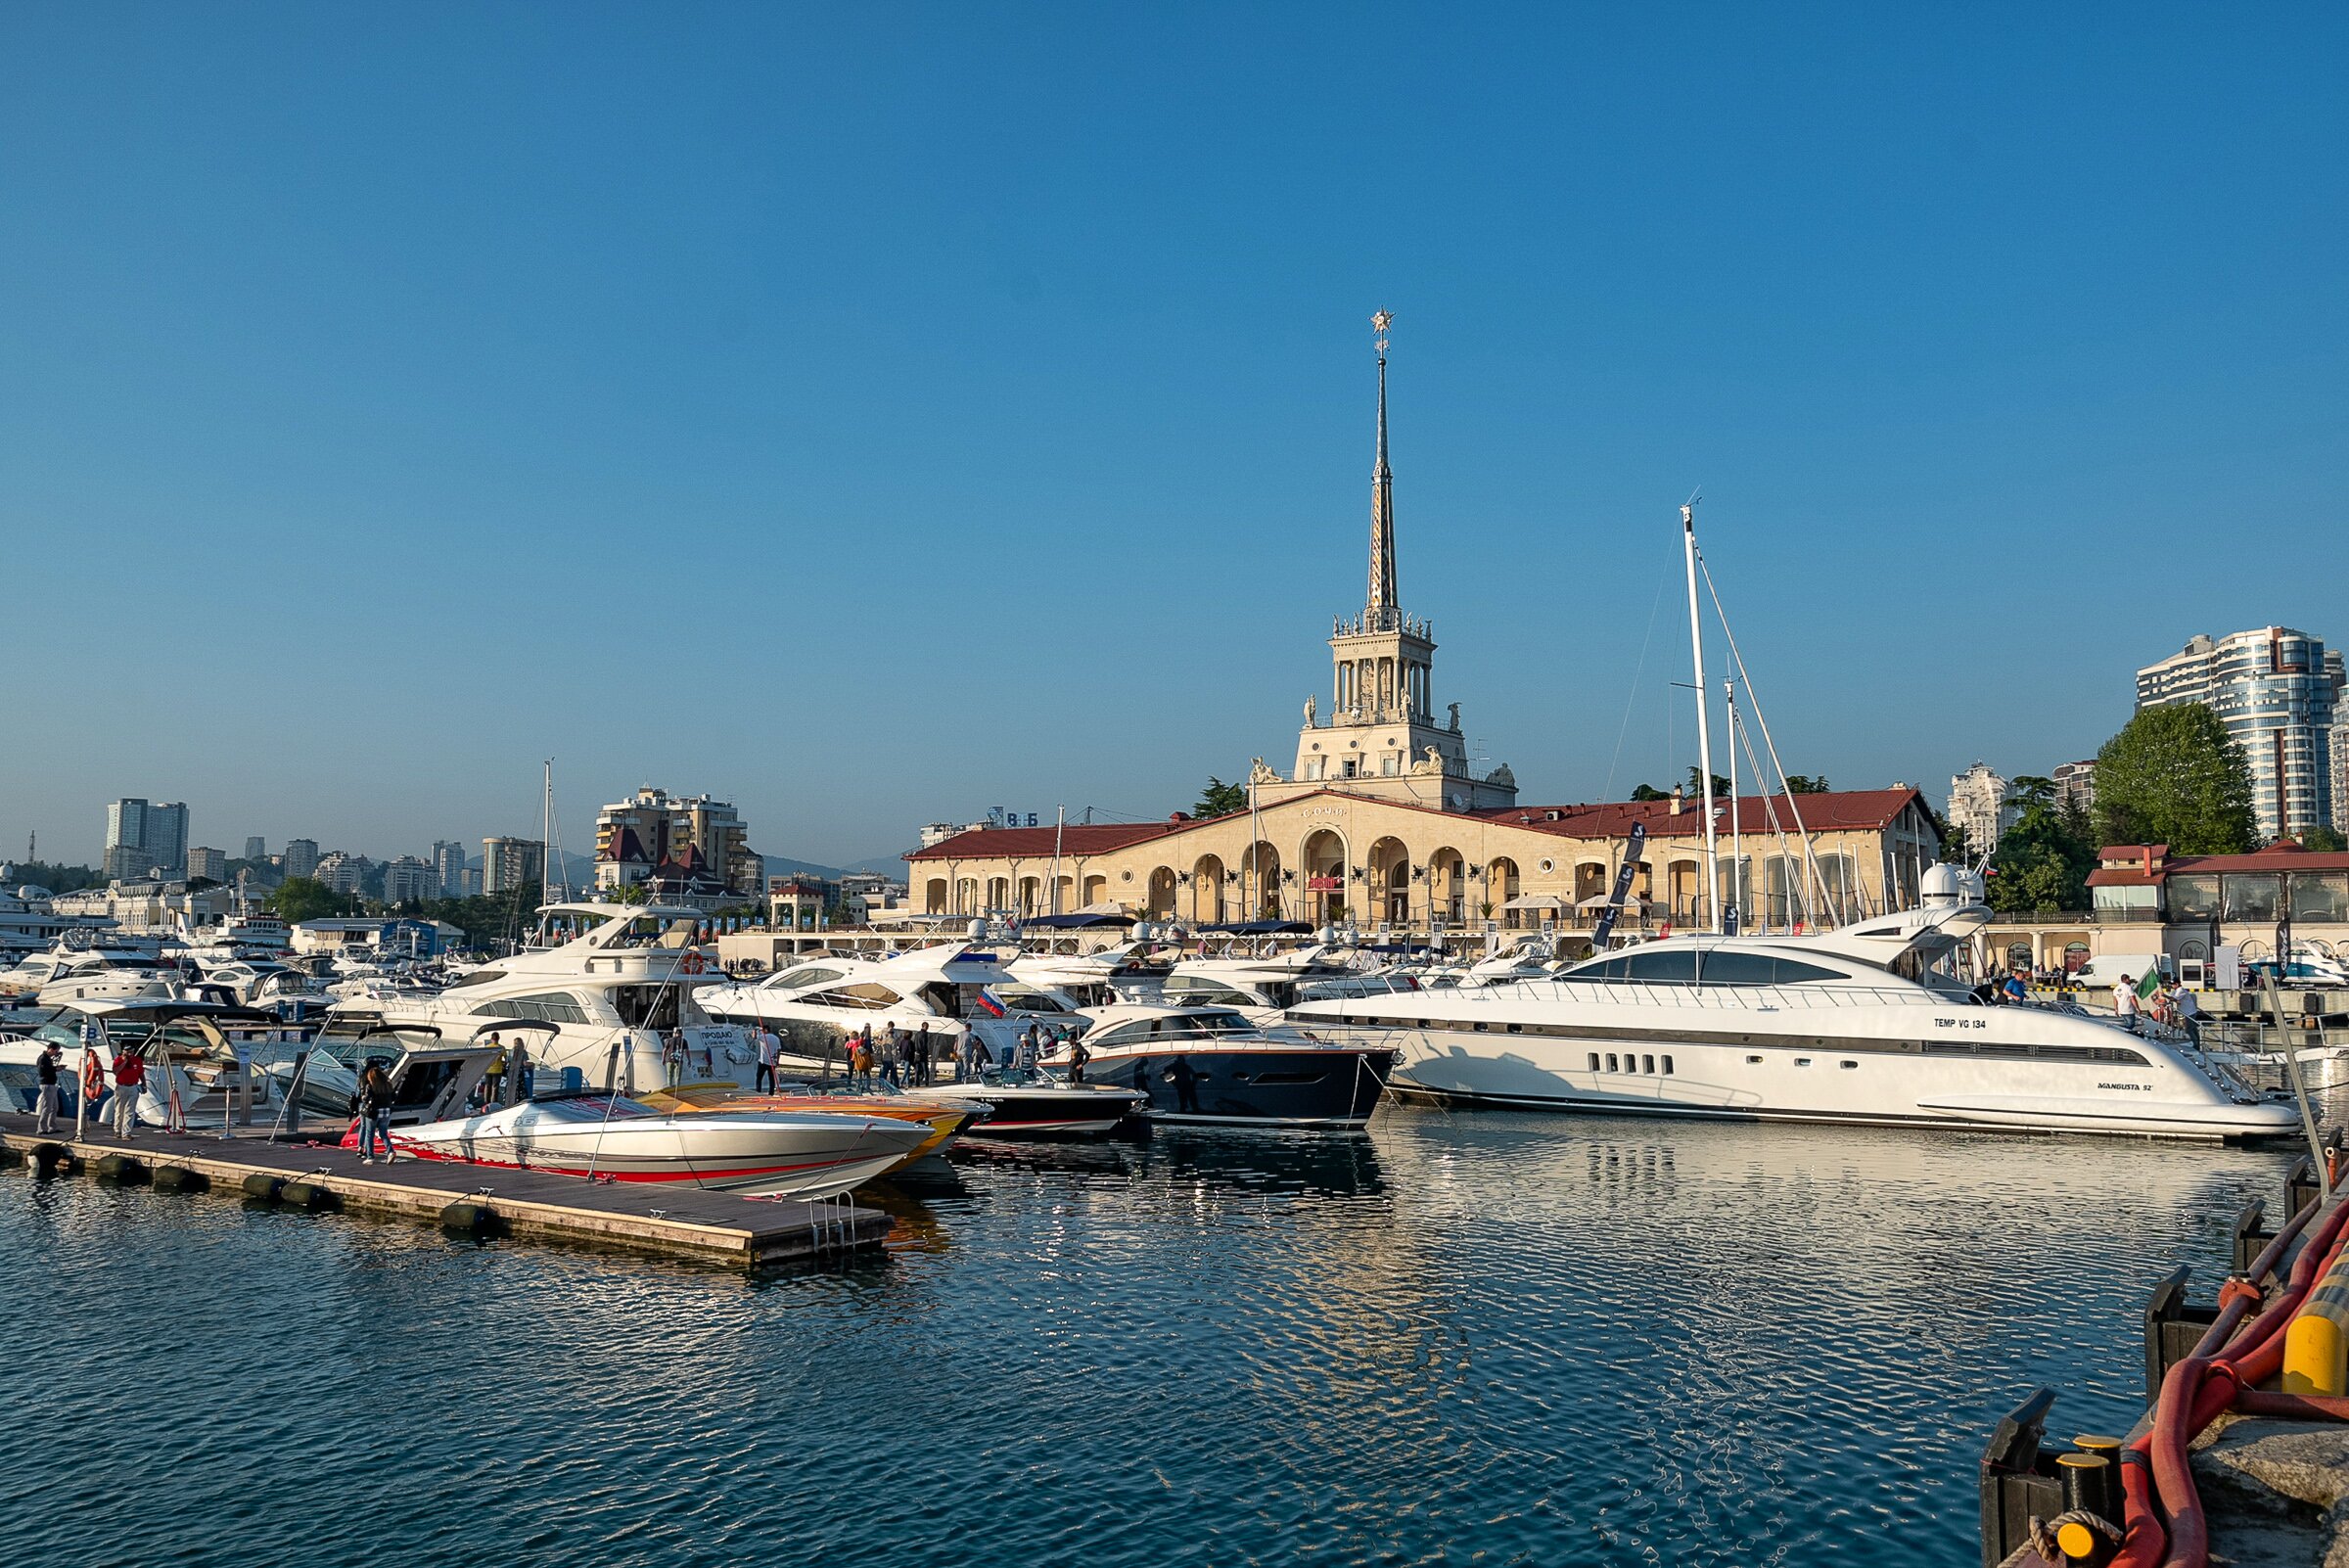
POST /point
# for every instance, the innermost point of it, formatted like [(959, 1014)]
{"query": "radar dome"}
[(1942, 885)]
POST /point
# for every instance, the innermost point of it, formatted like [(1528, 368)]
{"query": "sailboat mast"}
[(1736, 911), (1060, 826), (546, 836), (1704, 727)]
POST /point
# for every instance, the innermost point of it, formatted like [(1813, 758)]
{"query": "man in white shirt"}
[(2123, 1002), (770, 1054)]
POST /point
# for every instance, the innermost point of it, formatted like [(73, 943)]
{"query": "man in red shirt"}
[(131, 1082)]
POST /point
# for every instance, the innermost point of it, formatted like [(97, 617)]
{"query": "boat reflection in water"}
[(1505, 1337)]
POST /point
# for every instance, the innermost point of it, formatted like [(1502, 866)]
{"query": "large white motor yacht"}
[(598, 1005), (1852, 1025), (814, 1007)]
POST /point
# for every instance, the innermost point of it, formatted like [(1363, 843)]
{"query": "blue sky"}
[(871, 414)]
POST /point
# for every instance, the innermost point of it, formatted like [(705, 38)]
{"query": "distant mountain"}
[(778, 865), (888, 865)]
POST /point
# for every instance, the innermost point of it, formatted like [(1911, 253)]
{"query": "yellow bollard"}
[(2314, 1354), (2316, 1342)]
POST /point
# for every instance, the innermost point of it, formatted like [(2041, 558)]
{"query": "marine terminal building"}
[(1382, 820)]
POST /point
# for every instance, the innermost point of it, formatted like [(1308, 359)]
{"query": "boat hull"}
[(756, 1156), (947, 1123), (1022, 1111), (1807, 1082), (1306, 1088)]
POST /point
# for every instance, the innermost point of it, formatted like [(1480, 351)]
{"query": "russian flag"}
[(986, 999)]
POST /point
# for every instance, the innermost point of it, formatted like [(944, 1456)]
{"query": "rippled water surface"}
[(1488, 1340)]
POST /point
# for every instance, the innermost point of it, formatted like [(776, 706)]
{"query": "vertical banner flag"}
[(1622, 885)]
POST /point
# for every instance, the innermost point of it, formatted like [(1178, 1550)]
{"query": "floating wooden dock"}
[(466, 1200)]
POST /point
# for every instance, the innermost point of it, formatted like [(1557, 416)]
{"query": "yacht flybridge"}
[(814, 1007), (1850, 1025), (598, 1004)]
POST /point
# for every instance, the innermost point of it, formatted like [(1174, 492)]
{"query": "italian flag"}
[(2149, 985)]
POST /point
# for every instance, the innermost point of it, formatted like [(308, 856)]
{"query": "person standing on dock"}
[(45, 1089), (375, 1113), (2125, 1003), (770, 1056), (131, 1082)]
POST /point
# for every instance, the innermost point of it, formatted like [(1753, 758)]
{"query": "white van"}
[(2106, 969)]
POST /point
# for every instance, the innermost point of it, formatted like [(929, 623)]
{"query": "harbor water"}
[(1453, 1339)]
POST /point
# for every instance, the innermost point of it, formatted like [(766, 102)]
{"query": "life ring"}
[(693, 962), (93, 1077)]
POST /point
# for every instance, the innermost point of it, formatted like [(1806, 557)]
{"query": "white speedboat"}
[(799, 1154), (1851, 1025), (1212, 1065)]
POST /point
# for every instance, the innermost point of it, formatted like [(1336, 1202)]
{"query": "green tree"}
[(2323, 840), (2044, 859), (1220, 798), (1648, 791), (1807, 784), (56, 878), (2172, 776), (306, 898), (1696, 783)]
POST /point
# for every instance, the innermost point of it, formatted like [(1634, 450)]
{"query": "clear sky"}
[(871, 414)]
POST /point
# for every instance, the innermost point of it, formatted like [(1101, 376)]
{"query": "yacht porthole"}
[(1753, 1061)]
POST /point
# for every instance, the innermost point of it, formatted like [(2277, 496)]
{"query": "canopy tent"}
[(1261, 928), (1081, 919), (1537, 900), (1601, 900)]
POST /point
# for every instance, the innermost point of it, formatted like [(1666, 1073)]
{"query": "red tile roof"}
[(1834, 810), (2287, 856), (1035, 843)]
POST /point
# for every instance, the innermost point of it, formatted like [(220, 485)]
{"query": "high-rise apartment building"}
[(2276, 690), (2076, 784), (509, 864), (1978, 805), (302, 858), (143, 838), (449, 866), (653, 829), (408, 880), (212, 863), (2340, 745), (256, 848), (342, 873)]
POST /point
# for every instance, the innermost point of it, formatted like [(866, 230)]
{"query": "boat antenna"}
[(1704, 726)]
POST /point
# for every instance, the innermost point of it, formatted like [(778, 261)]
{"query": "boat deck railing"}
[(1708, 997)]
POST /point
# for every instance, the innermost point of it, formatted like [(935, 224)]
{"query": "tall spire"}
[(1381, 607)]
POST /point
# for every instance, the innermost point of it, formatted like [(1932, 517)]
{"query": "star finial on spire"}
[(1380, 321)]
